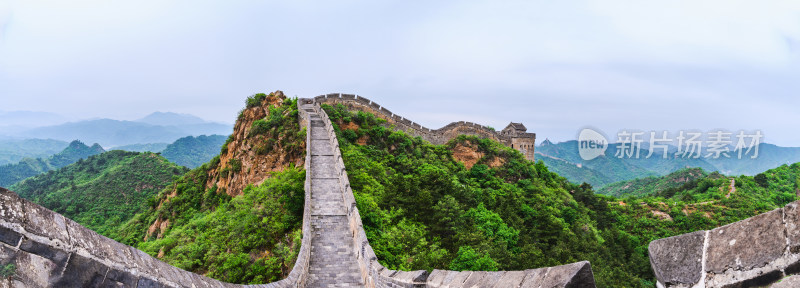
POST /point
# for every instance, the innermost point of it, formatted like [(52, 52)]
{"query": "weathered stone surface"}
[(86, 240), (474, 278), (321, 147), (511, 279), (451, 279), (489, 279), (117, 278), (59, 257), (148, 283), (788, 282), (11, 207), (32, 270), (678, 259), (792, 218), (575, 275), (438, 276), (141, 260), (746, 244), (46, 223), (326, 165), (534, 278), (9, 237), (82, 272)]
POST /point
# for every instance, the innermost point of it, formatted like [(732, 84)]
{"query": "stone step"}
[(323, 167), (321, 147), (319, 133)]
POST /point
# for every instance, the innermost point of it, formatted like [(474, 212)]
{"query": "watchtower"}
[(520, 139)]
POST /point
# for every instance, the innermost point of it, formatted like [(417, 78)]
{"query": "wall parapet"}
[(50, 250), (756, 251)]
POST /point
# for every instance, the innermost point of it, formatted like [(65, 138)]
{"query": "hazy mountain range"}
[(564, 159), (158, 127)]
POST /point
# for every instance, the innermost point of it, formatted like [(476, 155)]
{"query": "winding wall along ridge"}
[(521, 141)]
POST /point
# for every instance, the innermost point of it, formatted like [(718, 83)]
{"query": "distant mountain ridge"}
[(564, 159), (14, 150), (194, 151), (13, 173), (170, 118), (650, 185), (111, 133), (157, 127)]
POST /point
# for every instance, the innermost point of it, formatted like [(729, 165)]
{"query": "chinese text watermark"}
[(683, 144)]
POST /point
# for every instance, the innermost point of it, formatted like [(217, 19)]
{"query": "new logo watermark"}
[(591, 144), (683, 144)]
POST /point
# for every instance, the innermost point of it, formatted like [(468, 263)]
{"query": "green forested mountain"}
[(103, 191), (13, 173), (188, 151), (599, 171), (652, 185), (194, 151), (13, 151), (253, 237), (576, 173)]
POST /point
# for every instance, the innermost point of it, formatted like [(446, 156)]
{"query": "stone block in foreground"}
[(756, 252), (678, 259)]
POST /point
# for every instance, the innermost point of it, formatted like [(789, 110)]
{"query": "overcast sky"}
[(556, 66)]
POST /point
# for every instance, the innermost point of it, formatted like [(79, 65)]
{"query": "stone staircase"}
[(333, 262)]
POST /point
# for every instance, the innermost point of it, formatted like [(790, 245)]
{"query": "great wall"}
[(515, 135), (49, 250)]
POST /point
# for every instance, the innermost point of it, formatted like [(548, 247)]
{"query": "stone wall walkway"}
[(333, 262)]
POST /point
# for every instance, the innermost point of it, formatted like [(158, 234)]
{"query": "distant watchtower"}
[(520, 139)]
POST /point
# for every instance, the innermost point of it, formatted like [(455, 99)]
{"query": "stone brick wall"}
[(435, 136), (49, 250), (754, 252)]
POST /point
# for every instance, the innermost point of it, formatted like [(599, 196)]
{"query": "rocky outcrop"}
[(253, 167)]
